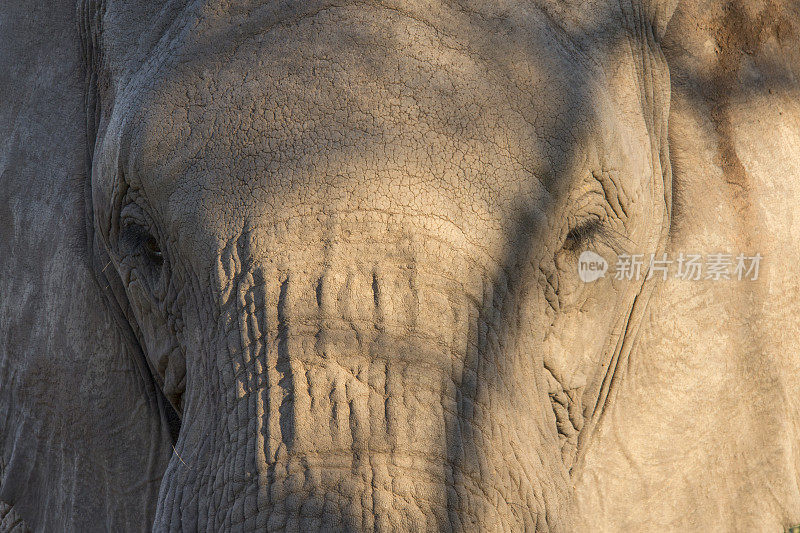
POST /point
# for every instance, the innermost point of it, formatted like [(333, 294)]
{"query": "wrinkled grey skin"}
[(313, 266)]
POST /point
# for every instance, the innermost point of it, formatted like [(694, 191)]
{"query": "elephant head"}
[(345, 237)]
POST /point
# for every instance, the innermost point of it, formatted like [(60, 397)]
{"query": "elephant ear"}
[(84, 435), (709, 400)]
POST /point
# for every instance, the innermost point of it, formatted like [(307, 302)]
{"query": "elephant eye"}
[(139, 241), (153, 251)]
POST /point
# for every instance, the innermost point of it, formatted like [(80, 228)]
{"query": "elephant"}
[(315, 266)]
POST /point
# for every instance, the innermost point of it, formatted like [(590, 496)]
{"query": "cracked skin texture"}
[(325, 273)]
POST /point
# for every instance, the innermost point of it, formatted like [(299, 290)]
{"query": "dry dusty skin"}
[(316, 266)]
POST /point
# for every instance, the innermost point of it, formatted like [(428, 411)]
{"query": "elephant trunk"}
[(350, 397)]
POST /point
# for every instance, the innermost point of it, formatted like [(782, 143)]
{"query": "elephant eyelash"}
[(593, 232), (580, 234)]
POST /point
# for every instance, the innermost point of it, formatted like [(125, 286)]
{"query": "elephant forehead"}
[(361, 109)]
